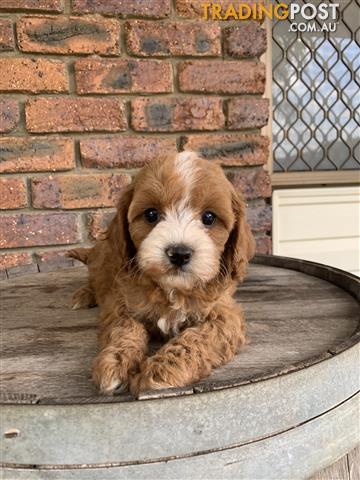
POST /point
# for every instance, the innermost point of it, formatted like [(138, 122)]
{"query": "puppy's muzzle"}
[(179, 255)]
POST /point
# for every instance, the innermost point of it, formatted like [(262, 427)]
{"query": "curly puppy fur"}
[(141, 292)]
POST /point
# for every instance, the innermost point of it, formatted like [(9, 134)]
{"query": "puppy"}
[(169, 263)]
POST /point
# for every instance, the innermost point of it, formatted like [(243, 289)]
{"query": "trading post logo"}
[(306, 17)]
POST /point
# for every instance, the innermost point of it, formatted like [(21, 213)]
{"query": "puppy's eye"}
[(151, 215), (208, 218)]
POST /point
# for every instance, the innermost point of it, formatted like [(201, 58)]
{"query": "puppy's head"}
[(183, 223)]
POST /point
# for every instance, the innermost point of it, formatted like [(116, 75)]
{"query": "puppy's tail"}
[(81, 254)]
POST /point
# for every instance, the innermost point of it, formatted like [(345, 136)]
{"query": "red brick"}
[(28, 230), (263, 245), (248, 39), (123, 151), (165, 39), (13, 193), (190, 8), (32, 75), (98, 222), (77, 191), (9, 115), (124, 8), (252, 182), (6, 35), (122, 76), (177, 114), (259, 217), (75, 115), (20, 270), (41, 5), (231, 149), (10, 260), (69, 35), (222, 76), (36, 154), (195, 8), (50, 260), (247, 112)]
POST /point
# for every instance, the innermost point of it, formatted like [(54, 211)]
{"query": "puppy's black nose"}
[(179, 255)]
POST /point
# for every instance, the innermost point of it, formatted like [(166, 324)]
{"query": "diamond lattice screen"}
[(316, 94)]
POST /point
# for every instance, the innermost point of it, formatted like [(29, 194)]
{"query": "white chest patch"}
[(171, 324), (163, 325)]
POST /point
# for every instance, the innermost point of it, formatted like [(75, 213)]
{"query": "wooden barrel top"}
[(298, 314)]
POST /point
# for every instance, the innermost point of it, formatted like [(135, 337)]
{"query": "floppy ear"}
[(118, 232), (240, 247)]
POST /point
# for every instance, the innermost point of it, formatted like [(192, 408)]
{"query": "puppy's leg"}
[(123, 343), (83, 297), (192, 355)]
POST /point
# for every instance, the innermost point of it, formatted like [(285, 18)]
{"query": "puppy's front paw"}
[(83, 297), (152, 376), (110, 371)]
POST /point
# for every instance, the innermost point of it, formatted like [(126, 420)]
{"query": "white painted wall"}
[(318, 224)]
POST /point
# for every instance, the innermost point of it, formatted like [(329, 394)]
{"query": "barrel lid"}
[(298, 314)]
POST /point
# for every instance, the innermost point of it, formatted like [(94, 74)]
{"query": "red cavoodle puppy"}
[(169, 262)]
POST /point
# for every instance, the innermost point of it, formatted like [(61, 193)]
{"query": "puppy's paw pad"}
[(83, 298)]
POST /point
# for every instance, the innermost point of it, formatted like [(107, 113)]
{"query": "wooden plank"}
[(21, 270), (337, 471), (354, 463), (347, 468)]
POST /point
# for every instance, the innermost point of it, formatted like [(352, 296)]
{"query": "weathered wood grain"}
[(338, 471), (353, 459), (347, 468), (293, 320), (345, 280)]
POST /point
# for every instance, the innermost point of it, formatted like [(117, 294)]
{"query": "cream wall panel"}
[(318, 224)]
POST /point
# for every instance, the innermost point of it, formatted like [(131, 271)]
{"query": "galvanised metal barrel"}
[(287, 406)]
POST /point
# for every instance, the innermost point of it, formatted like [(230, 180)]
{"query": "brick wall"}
[(90, 89)]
